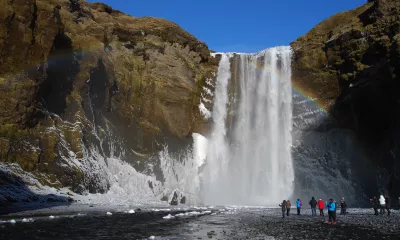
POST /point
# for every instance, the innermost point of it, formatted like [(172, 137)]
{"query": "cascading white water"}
[(249, 155)]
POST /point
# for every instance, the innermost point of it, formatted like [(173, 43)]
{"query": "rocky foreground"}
[(225, 223)]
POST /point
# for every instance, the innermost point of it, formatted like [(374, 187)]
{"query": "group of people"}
[(330, 205), (382, 204)]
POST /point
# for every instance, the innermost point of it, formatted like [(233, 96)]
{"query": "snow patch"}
[(208, 91), (131, 211), (109, 214)]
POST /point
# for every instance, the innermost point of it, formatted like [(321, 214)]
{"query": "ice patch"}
[(109, 214), (204, 111), (127, 186), (51, 217), (12, 221), (169, 216), (181, 175), (152, 237), (194, 213), (131, 211), (27, 220)]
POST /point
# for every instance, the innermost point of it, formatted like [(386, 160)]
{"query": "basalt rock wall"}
[(350, 64), (80, 79)]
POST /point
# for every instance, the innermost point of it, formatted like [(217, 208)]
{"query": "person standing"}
[(343, 206), (387, 204), (331, 205), (382, 204), (313, 204), (321, 206), (288, 206), (298, 205), (283, 206), (375, 204)]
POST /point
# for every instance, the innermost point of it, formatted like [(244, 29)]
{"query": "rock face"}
[(350, 63), (79, 77)]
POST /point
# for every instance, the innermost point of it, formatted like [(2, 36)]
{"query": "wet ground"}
[(194, 223)]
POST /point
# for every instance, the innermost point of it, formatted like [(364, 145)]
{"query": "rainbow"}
[(301, 90), (309, 95)]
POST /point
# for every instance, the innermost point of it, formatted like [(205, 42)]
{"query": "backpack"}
[(301, 203)]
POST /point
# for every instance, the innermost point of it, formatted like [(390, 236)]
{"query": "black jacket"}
[(283, 205), (313, 203), (387, 202), (374, 202)]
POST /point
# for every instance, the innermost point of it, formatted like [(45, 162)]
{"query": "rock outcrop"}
[(78, 77), (350, 63)]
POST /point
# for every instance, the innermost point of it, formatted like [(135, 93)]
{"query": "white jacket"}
[(382, 200)]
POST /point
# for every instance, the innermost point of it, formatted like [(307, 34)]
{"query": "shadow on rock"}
[(16, 196)]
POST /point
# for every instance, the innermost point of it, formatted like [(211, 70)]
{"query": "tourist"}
[(321, 206), (288, 206), (382, 204), (343, 206), (298, 205), (283, 206), (313, 204), (375, 204), (387, 204), (331, 205)]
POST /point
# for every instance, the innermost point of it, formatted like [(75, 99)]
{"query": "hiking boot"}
[(334, 223), (329, 223)]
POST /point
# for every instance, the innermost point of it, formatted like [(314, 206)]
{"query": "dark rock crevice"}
[(61, 71), (33, 22)]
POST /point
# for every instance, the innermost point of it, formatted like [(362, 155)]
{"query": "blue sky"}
[(239, 25)]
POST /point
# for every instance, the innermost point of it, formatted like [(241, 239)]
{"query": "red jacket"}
[(321, 204)]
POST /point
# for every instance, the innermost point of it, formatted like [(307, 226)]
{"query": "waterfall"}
[(249, 155)]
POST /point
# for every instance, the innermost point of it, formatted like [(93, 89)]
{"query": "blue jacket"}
[(331, 206), (298, 204)]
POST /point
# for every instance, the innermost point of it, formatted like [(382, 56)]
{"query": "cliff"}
[(79, 79), (350, 64)]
